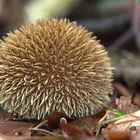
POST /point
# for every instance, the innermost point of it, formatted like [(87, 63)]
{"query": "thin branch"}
[(45, 131), (42, 123), (121, 40), (136, 24)]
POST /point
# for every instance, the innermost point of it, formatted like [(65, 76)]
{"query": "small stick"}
[(121, 40), (42, 123), (136, 24), (44, 131)]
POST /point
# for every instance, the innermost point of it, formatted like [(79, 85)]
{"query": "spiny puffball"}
[(53, 65)]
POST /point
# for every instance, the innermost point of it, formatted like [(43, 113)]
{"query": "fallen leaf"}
[(136, 99), (8, 127), (128, 124), (124, 104), (89, 122), (118, 136), (31, 138)]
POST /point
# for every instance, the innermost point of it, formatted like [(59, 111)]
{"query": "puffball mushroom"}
[(53, 65)]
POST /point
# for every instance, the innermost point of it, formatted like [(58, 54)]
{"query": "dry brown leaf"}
[(89, 122), (9, 127), (85, 125), (124, 104), (31, 138), (136, 99), (128, 124), (82, 125), (118, 136), (70, 130)]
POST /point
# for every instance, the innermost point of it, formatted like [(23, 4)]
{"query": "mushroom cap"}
[(51, 66)]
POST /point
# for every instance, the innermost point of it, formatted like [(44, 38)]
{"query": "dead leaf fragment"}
[(128, 124), (124, 104), (8, 127)]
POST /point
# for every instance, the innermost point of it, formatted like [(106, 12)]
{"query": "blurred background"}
[(115, 22)]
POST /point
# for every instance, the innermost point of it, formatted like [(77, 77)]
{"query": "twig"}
[(121, 40), (107, 24), (38, 129), (44, 131), (123, 91), (42, 123), (136, 24)]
